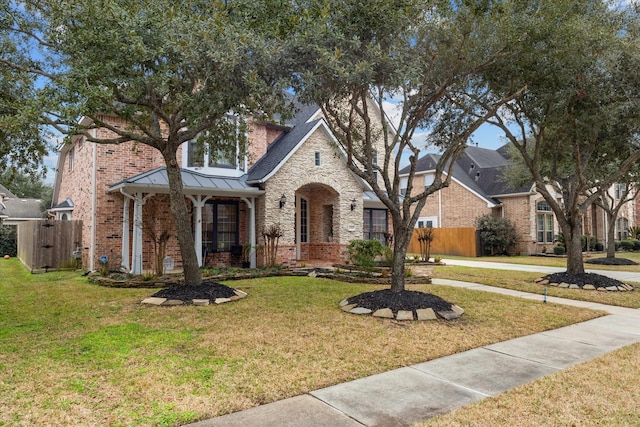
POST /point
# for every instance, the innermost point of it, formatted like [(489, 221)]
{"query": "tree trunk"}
[(401, 238), (182, 219), (573, 243), (611, 238)]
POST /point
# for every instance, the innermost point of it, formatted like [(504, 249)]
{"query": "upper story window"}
[(317, 158), (404, 182), (72, 158), (206, 159), (428, 180), (621, 190)]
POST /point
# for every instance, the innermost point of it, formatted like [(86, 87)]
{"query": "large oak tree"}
[(174, 71), (576, 128), (363, 62)]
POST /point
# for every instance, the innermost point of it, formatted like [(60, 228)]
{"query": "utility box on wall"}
[(49, 244)]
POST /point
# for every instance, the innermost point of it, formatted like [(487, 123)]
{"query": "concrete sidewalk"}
[(623, 276), (416, 393)]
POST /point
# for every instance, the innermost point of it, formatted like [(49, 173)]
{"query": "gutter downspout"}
[(440, 208), (94, 203)]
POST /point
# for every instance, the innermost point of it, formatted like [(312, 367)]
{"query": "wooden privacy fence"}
[(450, 241), (49, 245)]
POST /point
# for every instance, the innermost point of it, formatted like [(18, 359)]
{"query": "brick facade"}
[(329, 190)]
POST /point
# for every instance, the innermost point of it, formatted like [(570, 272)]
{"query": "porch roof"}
[(194, 183)]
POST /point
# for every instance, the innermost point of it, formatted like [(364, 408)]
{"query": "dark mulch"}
[(405, 300), (207, 290), (596, 280), (611, 261)]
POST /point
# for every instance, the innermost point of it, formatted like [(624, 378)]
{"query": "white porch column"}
[(251, 204), (198, 204), (126, 252), (136, 262)]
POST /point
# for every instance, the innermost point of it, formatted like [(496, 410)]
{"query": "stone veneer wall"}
[(329, 183)]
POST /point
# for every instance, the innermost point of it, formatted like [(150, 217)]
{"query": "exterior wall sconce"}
[(283, 200), (353, 204)]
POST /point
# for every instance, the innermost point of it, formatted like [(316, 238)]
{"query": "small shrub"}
[(437, 259), (592, 242), (8, 245), (363, 253), (559, 250), (599, 247), (618, 245), (636, 244), (498, 235), (147, 277), (408, 272), (627, 245)]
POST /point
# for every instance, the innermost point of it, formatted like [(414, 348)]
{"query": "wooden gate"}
[(49, 245)]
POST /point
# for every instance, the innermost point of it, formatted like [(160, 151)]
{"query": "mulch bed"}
[(405, 300), (611, 261), (597, 280), (207, 290)]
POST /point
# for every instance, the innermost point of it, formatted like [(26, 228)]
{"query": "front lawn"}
[(601, 392), (72, 353)]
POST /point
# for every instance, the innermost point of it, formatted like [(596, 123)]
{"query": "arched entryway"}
[(317, 223)]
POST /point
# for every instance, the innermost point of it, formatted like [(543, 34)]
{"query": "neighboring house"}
[(294, 175), (14, 210), (477, 188)]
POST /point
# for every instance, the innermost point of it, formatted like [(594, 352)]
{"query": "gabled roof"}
[(63, 206), (20, 209), (6, 191), (478, 169), (281, 149), (302, 113), (156, 180)]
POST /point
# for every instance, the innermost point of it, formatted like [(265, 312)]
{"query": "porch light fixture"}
[(353, 204), (283, 200)]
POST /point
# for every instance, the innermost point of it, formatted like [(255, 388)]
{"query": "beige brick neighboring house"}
[(294, 175), (477, 189)]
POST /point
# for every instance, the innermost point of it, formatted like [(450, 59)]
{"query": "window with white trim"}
[(404, 182), (544, 222), (621, 190), (220, 230), (428, 179), (622, 228), (427, 222)]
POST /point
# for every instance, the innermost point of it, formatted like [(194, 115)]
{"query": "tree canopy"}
[(173, 71), (576, 127), (23, 139), (362, 61)]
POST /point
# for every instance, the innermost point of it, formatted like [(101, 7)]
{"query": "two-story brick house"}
[(293, 175), (477, 188)]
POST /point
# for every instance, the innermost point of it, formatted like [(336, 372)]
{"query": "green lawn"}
[(551, 261), (72, 353), (524, 281)]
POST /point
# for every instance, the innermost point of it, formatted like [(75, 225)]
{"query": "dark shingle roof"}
[(479, 169), (301, 112), (6, 191), (278, 150), (17, 208)]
